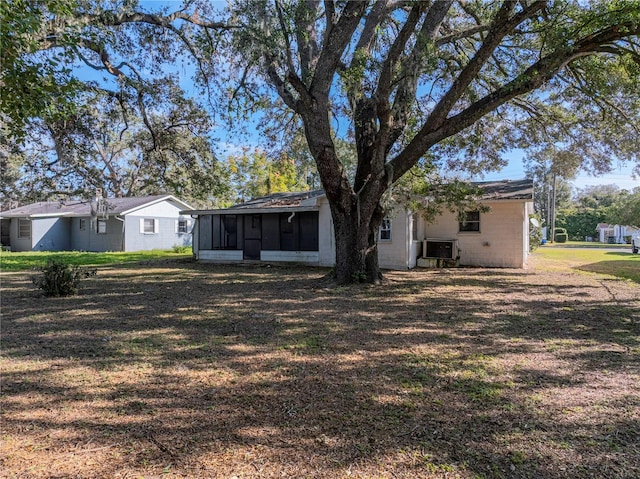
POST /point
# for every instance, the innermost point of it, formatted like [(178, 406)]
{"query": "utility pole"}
[(553, 209), (547, 218)]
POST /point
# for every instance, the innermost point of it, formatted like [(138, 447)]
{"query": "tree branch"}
[(533, 77), (335, 46), (461, 35)]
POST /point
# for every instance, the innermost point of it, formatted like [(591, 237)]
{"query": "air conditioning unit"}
[(440, 248)]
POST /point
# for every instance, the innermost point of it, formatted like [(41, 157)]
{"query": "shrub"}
[(535, 234), (61, 279), (178, 248), (561, 235)]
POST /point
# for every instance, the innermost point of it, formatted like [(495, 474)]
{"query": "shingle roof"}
[(506, 189), (278, 200), (492, 190), (79, 207)]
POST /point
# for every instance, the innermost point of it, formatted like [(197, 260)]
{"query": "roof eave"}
[(157, 200), (250, 211)]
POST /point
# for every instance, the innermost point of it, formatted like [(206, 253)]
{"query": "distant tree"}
[(590, 205), (580, 222), (551, 167), (100, 146), (598, 196), (255, 174), (625, 210)]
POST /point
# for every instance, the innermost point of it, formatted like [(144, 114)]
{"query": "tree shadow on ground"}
[(263, 372), (625, 269)]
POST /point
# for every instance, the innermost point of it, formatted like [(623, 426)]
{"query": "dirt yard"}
[(173, 369)]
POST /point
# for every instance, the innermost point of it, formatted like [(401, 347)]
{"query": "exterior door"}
[(252, 236)]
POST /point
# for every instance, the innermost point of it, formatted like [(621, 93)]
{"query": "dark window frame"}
[(469, 222), (384, 233)]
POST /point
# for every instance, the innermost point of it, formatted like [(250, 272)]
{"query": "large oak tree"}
[(413, 77)]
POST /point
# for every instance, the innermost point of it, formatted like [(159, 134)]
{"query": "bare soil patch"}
[(173, 369)]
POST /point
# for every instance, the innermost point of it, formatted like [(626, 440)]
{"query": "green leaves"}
[(33, 83), (58, 278)]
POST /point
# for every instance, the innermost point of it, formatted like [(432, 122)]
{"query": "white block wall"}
[(501, 242)]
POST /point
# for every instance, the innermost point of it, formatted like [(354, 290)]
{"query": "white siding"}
[(394, 254), (165, 236), (220, 255), (161, 209), (47, 234), (310, 257), (19, 244), (326, 236)]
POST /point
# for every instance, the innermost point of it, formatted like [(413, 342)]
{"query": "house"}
[(614, 233), (297, 227), (102, 224)]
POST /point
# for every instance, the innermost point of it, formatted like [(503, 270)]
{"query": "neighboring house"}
[(297, 227), (103, 224), (614, 233)]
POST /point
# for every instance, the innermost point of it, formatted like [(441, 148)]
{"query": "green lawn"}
[(24, 261), (585, 244), (621, 264)]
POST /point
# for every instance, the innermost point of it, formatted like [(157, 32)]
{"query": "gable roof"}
[(79, 208)]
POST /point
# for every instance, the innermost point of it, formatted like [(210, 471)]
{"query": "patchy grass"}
[(621, 264), (23, 261), (174, 369)]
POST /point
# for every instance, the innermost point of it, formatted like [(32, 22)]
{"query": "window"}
[(148, 226), (82, 224), (470, 221), (183, 226), (101, 227), (24, 229), (414, 228), (385, 230)]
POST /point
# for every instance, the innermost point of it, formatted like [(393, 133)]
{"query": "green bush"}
[(181, 248), (61, 279), (535, 234), (561, 235)]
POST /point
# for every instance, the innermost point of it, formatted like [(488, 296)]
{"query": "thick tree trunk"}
[(357, 213), (356, 239), (356, 249)]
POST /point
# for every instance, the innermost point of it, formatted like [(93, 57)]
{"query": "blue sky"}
[(620, 176)]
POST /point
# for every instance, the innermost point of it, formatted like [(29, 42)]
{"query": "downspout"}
[(122, 245), (196, 224), (290, 218)]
